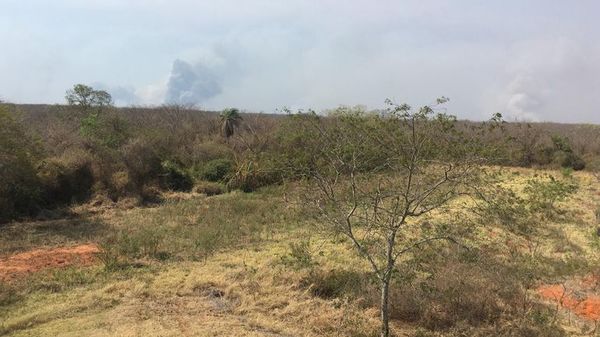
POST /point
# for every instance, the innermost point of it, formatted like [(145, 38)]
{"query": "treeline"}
[(55, 155), (52, 156)]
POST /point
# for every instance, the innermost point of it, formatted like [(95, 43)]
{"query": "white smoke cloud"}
[(532, 59), (524, 99), (553, 79), (191, 84), (151, 94)]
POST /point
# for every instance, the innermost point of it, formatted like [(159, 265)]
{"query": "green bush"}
[(573, 161), (299, 256), (503, 206), (202, 151), (563, 154), (20, 190), (150, 242), (65, 179), (104, 129), (520, 214), (174, 178), (253, 173), (300, 145), (109, 256), (545, 156), (217, 170), (544, 194)]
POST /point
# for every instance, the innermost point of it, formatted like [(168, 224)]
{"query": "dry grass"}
[(253, 283), (235, 293)]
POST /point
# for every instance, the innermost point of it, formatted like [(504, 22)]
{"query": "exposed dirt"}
[(22, 264), (579, 296)]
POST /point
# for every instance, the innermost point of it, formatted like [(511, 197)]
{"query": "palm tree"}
[(230, 119)]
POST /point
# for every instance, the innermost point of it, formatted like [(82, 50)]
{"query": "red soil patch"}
[(579, 300), (22, 264)]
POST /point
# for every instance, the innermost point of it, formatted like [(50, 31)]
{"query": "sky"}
[(535, 60)]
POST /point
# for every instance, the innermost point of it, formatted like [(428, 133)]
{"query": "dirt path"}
[(32, 261), (579, 296)]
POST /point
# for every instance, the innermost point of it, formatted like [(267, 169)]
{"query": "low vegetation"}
[(256, 264), (60, 155), (399, 222)]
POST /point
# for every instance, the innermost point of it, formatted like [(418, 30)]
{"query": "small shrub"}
[(174, 178), (456, 297), (299, 256), (573, 161), (561, 143), (142, 162), (151, 194), (209, 188), (127, 245), (104, 128), (564, 155), (8, 294), (217, 170), (543, 195), (20, 190), (335, 283), (121, 183), (545, 156), (109, 255), (252, 174), (150, 241), (567, 172), (129, 202), (507, 209), (207, 241)]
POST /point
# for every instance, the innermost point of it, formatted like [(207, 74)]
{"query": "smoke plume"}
[(191, 84)]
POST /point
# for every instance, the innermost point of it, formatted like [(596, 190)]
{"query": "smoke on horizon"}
[(191, 84)]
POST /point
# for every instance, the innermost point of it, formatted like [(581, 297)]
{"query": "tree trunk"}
[(385, 315)]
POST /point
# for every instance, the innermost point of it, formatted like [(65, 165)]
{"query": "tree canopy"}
[(86, 97), (230, 119)]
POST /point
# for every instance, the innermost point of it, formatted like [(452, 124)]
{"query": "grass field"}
[(253, 264)]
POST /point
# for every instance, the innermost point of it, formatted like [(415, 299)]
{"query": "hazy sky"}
[(528, 59)]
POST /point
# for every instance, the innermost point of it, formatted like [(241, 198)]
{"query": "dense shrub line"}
[(55, 155)]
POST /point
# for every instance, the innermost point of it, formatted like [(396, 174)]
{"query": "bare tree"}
[(527, 139), (376, 176)]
